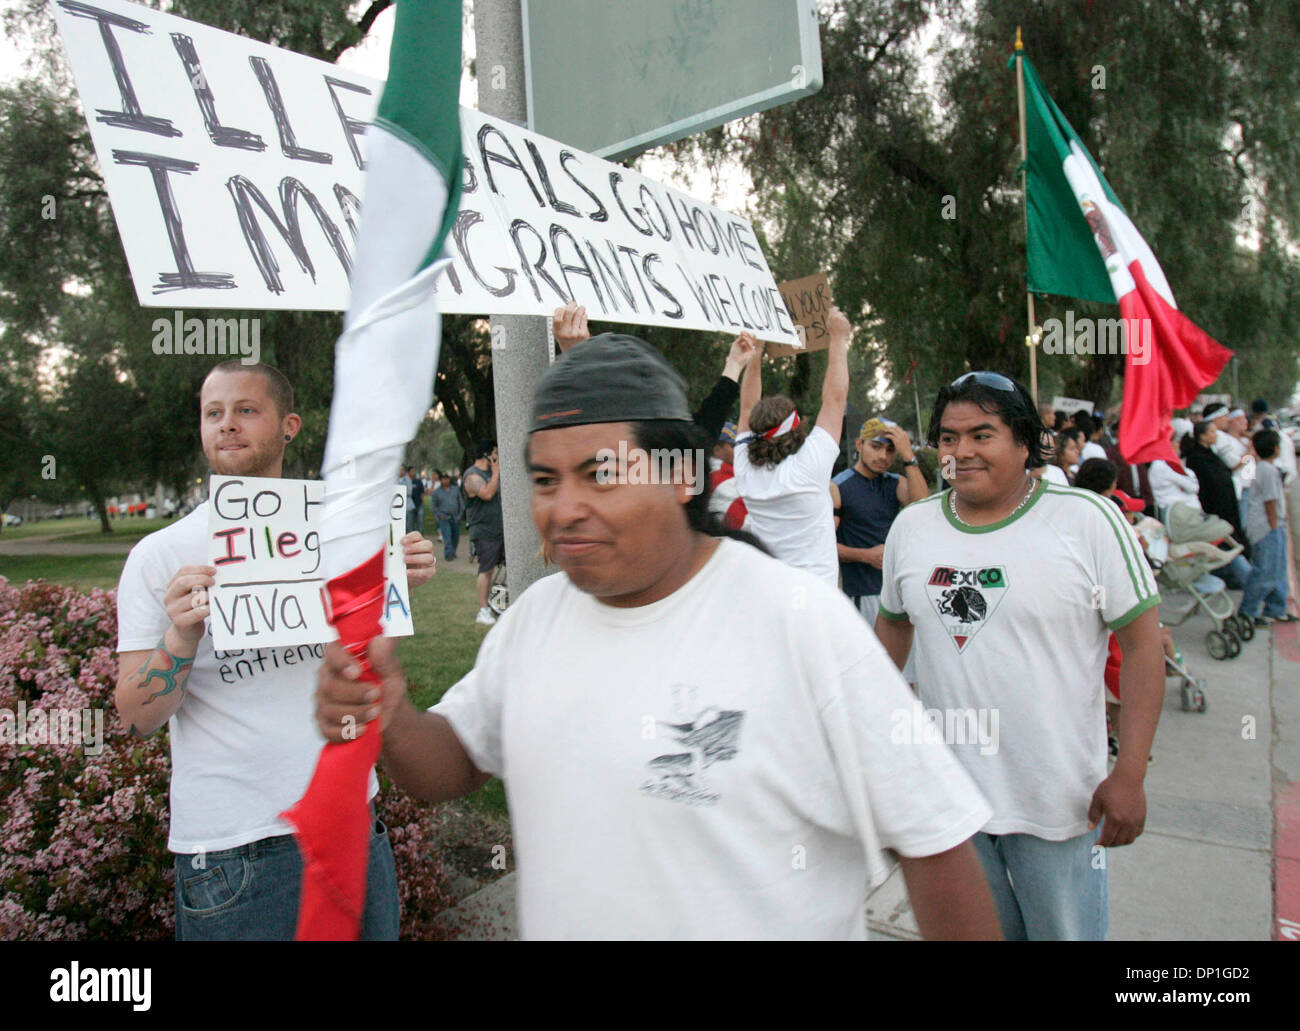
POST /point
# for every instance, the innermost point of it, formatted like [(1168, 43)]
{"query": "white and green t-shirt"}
[(1012, 622), (728, 762)]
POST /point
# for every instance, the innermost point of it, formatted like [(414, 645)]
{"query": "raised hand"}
[(569, 324)]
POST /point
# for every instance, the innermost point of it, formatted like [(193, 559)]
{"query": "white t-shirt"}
[(1053, 473), (1169, 487), (718, 764), (1014, 619), (1091, 450), (1286, 459), (790, 507), (244, 742), (1231, 451)]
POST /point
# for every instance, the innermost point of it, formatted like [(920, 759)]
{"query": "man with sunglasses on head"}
[(1010, 587)]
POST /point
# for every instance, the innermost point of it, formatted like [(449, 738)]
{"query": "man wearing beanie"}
[(697, 740)]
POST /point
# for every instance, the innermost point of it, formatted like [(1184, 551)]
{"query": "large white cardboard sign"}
[(235, 171), (264, 540)]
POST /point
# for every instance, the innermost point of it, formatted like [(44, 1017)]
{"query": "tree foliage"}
[(899, 176)]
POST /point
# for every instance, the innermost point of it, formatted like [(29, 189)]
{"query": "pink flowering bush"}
[(83, 837)]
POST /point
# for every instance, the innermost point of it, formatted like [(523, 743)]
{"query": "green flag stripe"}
[(1061, 254), (421, 101)]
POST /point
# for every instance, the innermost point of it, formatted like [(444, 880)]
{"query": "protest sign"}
[(1070, 405), (1209, 399), (396, 620), (264, 540), (808, 300), (235, 171)]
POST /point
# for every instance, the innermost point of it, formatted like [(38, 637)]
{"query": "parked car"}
[(12, 520)]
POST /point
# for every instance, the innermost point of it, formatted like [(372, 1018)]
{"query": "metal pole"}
[(520, 344), (1031, 339), (916, 398)]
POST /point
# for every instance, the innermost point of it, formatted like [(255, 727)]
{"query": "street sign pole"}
[(520, 344)]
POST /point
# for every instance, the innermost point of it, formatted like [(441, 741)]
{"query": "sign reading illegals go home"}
[(236, 169), (264, 540)]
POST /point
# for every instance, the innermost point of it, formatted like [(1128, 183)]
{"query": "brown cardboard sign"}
[(808, 300)]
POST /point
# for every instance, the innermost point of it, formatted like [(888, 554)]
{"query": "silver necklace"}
[(952, 504)]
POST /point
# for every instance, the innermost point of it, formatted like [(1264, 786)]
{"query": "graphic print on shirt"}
[(966, 598), (703, 737)]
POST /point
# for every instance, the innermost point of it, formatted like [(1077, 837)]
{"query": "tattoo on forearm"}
[(171, 678)]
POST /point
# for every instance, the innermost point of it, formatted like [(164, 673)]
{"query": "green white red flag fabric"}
[(383, 385), (1081, 243)]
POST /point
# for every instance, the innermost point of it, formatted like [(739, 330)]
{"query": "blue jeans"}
[(250, 893), (1047, 890), (1267, 584), (1236, 573), (449, 527)]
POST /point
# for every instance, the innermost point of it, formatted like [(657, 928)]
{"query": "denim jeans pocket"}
[(216, 888)]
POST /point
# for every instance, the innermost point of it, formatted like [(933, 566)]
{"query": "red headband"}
[(790, 422)]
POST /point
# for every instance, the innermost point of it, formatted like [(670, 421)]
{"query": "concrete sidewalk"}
[(1204, 868)]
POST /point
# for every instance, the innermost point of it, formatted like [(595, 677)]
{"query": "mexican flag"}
[(383, 386), (1081, 243)]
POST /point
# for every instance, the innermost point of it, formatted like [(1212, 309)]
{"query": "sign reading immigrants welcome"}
[(235, 171)]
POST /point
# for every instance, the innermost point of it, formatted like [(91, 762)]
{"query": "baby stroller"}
[(1192, 688), (1189, 569)]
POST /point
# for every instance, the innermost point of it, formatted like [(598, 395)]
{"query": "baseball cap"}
[(874, 429), (728, 434), (609, 378), (1129, 503)]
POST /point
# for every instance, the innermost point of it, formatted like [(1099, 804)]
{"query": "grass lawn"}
[(76, 528), (80, 571), (443, 650)]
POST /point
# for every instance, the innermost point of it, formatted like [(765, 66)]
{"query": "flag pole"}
[(1031, 339)]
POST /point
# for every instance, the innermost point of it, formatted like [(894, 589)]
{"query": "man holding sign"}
[(242, 741)]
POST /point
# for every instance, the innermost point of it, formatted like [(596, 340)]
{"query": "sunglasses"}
[(985, 379)]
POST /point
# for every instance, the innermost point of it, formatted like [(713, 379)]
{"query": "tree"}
[(61, 259), (909, 195)]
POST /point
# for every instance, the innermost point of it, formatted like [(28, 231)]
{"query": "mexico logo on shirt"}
[(966, 599)]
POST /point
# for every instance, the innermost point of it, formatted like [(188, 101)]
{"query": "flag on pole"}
[(384, 365), (1081, 243)]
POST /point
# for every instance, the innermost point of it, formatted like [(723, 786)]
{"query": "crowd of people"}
[(895, 685), (471, 498), (1228, 488)]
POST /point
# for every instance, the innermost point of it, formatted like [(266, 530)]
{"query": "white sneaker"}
[(485, 617)]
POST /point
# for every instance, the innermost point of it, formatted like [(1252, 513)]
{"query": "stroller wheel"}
[(1217, 645), (1245, 628), (1186, 698), (1234, 642), (1198, 696)]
